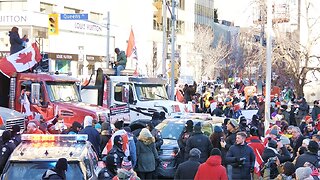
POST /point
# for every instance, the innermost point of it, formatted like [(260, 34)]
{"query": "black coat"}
[(307, 157), (283, 157), (295, 144), (188, 169), (6, 150), (118, 155), (202, 142), (241, 171)]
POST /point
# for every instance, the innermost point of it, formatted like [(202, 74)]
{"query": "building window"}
[(181, 4), (180, 27), (16, 6), (80, 69), (71, 10), (63, 66), (91, 69)]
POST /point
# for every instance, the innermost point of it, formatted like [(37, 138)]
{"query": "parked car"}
[(170, 131)]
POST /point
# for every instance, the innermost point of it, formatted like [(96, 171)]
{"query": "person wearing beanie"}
[(147, 155), (93, 134), (212, 168), (117, 150), (6, 149), (189, 168), (288, 171), (216, 137), (304, 173), (16, 134), (162, 116), (310, 156), (98, 127), (182, 140), (155, 120), (58, 172), (200, 141), (232, 130), (156, 134), (126, 171)]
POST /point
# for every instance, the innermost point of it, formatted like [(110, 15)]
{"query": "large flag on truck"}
[(132, 50), (20, 61)]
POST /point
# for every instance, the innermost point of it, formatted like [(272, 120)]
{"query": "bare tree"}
[(153, 67), (210, 55), (297, 59)]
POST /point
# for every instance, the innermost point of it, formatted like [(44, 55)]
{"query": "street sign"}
[(74, 16)]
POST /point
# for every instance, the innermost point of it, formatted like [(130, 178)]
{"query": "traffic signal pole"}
[(173, 32)]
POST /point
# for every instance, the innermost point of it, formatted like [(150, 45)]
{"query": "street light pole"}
[(268, 68), (173, 32), (164, 36), (108, 40)]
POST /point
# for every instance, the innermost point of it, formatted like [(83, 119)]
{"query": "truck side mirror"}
[(35, 93)]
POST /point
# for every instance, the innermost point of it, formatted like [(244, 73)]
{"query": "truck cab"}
[(144, 95), (49, 95)]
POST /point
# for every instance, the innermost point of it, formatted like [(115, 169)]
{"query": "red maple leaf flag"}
[(131, 48), (20, 61)]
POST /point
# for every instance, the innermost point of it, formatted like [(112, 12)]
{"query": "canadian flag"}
[(26, 105), (20, 61), (125, 146), (258, 163)]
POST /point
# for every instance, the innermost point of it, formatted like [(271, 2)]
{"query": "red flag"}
[(131, 48), (20, 61)]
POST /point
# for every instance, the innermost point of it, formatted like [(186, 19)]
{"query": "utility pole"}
[(173, 32), (164, 37), (268, 68), (108, 40)]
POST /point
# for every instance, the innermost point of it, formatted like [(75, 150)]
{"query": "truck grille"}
[(11, 122)]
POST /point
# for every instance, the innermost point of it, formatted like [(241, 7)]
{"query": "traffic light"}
[(53, 22), (157, 15)]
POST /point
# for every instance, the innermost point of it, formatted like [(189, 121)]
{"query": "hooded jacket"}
[(200, 141), (51, 174), (147, 154), (212, 169)]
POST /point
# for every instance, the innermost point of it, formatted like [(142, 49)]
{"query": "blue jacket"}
[(15, 42), (93, 137), (241, 151)]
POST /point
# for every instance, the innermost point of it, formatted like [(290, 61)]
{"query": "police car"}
[(37, 153)]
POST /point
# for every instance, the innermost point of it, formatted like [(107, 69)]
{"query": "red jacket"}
[(212, 169), (255, 143)]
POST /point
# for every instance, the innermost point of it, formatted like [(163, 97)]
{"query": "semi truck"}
[(50, 95), (144, 95)]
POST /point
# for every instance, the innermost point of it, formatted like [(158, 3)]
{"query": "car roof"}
[(29, 150)]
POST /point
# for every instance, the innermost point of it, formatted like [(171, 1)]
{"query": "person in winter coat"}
[(271, 152), (303, 109), (15, 134), (296, 140), (216, 137), (126, 172), (188, 169), (6, 149), (241, 157), (110, 169), (156, 134), (121, 62), (58, 172), (75, 128), (105, 134), (212, 168), (117, 151), (147, 155), (93, 134), (310, 156), (132, 146), (182, 140), (315, 110), (288, 171), (200, 141), (15, 41), (304, 173)]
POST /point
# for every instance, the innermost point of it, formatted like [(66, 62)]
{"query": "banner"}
[(20, 61)]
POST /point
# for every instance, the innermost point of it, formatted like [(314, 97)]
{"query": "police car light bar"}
[(54, 138)]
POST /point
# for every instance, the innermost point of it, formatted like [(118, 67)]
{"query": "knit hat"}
[(303, 173), (197, 127), (195, 152), (274, 132), (97, 126), (87, 121), (189, 123), (215, 152), (6, 136), (272, 143), (234, 123), (126, 164), (118, 124), (217, 129), (62, 164), (16, 128), (288, 168), (313, 147), (127, 129)]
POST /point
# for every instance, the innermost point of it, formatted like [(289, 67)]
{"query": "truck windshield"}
[(35, 170), (63, 91), (147, 92)]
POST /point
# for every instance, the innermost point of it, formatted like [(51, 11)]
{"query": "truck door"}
[(123, 92)]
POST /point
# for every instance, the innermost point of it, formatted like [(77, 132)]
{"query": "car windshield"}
[(63, 91), (171, 130), (147, 92), (35, 170)]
